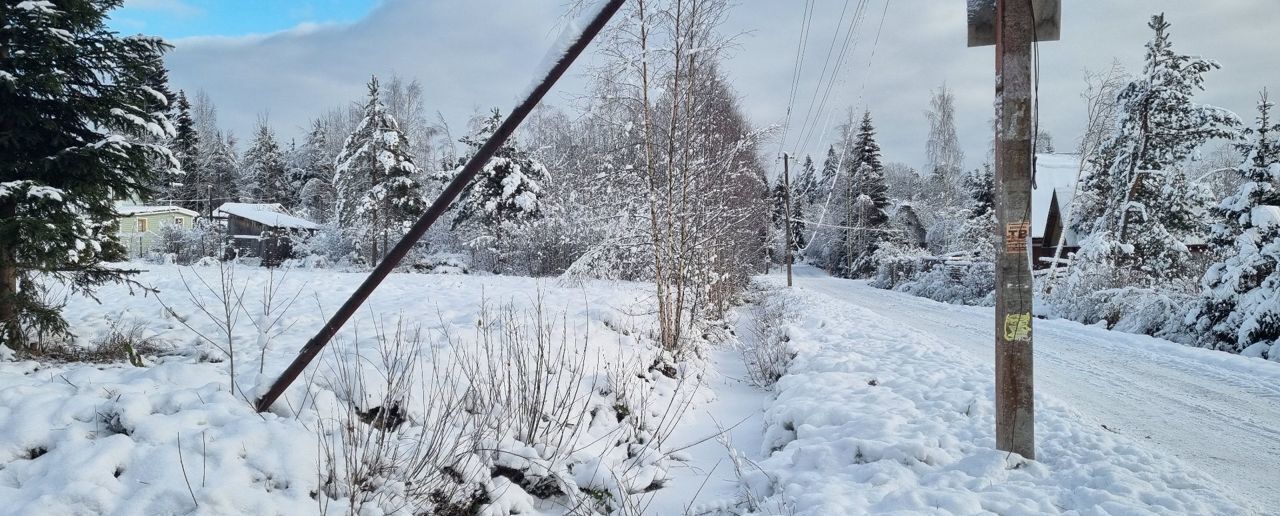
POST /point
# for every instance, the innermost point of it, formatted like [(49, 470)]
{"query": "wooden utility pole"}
[(786, 195), (1015, 389), (1015, 25)]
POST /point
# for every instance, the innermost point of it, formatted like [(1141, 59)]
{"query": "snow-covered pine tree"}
[(830, 166), (1239, 306), (185, 146), (1138, 207), (222, 170), (866, 204), (263, 178), (979, 232), (506, 194), (806, 183), (777, 220), (798, 226), (81, 129), (315, 182), (377, 197)]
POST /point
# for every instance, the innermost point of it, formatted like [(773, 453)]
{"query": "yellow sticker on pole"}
[(1017, 327)]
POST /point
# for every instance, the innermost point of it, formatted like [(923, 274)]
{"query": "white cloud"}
[(480, 53)]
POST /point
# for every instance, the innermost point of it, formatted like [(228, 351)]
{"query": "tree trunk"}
[(10, 331)]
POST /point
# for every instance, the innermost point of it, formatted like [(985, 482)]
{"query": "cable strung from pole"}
[(845, 150), (802, 45), (858, 16), (826, 64)]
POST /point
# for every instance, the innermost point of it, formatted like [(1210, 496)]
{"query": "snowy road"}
[(1219, 413)]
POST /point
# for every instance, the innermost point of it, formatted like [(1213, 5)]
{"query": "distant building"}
[(1057, 176), (262, 230), (138, 226)]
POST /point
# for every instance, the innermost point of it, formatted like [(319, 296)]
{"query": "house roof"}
[(273, 215), (134, 210), (1056, 176)]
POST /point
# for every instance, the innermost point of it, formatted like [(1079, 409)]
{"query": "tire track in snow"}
[(1221, 420)]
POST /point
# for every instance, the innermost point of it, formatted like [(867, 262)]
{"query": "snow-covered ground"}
[(173, 438), (1123, 417), (886, 408)]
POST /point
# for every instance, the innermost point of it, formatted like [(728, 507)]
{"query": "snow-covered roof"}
[(134, 210), (1056, 175), (273, 215)]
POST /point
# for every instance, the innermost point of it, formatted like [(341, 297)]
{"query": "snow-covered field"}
[(173, 438)]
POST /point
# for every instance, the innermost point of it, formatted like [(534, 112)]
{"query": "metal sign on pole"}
[(437, 208), (1012, 26)]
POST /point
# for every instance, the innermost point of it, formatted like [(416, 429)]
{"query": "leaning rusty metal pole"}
[(1015, 409), (451, 191)]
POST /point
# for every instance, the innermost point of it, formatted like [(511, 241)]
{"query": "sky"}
[(293, 59)]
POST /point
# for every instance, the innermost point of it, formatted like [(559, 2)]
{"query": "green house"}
[(139, 226)]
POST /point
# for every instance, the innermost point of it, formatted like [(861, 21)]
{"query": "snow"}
[(133, 210), (1191, 429), (1264, 217), (173, 438), (1056, 176), (886, 407), (269, 214), (43, 6)]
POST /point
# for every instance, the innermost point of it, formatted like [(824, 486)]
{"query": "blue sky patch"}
[(173, 19)]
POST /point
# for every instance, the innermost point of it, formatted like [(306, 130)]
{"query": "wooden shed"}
[(265, 231)]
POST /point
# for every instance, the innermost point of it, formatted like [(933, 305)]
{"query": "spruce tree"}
[(866, 203), (188, 190), (377, 195), (979, 232), (315, 183), (1138, 206), (507, 190), (80, 126), (798, 227), (1239, 303), (222, 171), (806, 184), (830, 166), (264, 177)]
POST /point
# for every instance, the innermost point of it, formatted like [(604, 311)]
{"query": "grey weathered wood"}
[(1015, 407), (982, 17)]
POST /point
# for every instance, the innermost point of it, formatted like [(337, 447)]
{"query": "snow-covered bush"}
[(329, 245), (898, 264), (768, 352), (965, 284), (914, 271), (185, 246), (1088, 295), (490, 422), (442, 263)]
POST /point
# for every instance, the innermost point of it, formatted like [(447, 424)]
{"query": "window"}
[(177, 221), (142, 226)]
